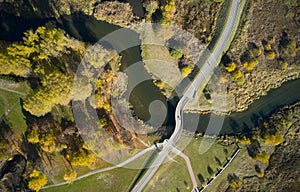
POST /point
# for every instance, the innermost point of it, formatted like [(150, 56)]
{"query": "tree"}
[(237, 74), (33, 136), (82, 158), (270, 55), (230, 67), (251, 64), (185, 71), (256, 51), (263, 157), (245, 140), (168, 12), (56, 89), (283, 64), (37, 180), (275, 139), (82, 89), (70, 176), (176, 53), (14, 60), (234, 181)]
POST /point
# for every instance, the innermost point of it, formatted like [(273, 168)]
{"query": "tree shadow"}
[(210, 170), (218, 161), (201, 178)]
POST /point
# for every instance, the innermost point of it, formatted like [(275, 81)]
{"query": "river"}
[(88, 29)]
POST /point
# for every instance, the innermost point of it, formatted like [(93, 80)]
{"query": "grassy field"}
[(161, 65), (116, 180), (10, 95), (173, 175)]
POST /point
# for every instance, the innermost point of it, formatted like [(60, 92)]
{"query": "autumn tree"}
[(249, 65), (70, 175), (230, 67), (185, 71), (263, 157), (33, 136), (270, 55), (245, 140), (37, 46), (36, 180), (273, 139), (82, 158), (168, 12), (82, 89), (56, 89), (234, 181), (237, 74)]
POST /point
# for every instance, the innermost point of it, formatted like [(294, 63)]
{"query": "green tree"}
[(176, 53)]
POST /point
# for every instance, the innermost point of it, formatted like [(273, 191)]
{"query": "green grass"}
[(174, 175), (10, 96), (116, 180)]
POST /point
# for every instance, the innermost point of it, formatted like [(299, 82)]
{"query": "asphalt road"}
[(201, 79)]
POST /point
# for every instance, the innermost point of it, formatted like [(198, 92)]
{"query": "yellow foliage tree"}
[(237, 74), (160, 84), (82, 158), (168, 11), (236, 183), (275, 139), (245, 140), (56, 90), (261, 174), (250, 65), (230, 67), (263, 157), (37, 180), (33, 136), (270, 55), (70, 176), (185, 71)]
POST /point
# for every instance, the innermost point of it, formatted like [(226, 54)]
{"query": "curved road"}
[(201, 79)]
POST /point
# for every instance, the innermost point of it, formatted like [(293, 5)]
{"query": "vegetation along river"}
[(88, 29)]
